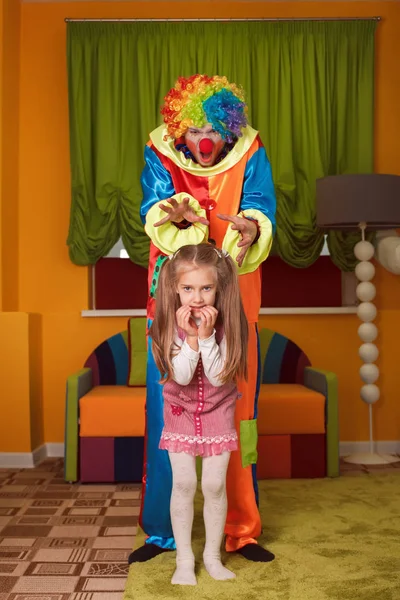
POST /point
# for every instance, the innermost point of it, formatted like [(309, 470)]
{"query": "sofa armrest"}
[(78, 385), (326, 383)]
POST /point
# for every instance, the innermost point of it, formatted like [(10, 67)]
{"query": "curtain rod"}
[(224, 20)]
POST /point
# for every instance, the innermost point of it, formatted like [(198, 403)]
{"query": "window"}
[(120, 284)]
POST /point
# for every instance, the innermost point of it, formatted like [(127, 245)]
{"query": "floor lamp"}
[(363, 202)]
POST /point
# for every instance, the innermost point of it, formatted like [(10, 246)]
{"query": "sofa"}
[(297, 412)]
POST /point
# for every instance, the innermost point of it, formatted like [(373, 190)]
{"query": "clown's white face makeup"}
[(195, 135)]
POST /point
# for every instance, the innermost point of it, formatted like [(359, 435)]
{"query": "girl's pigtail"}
[(162, 330), (234, 321)]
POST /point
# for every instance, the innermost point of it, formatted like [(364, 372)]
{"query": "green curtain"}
[(309, 88)]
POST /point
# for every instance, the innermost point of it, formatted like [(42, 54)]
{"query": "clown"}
[(207, 178)]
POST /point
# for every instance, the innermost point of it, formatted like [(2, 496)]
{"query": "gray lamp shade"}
[(345, 201)]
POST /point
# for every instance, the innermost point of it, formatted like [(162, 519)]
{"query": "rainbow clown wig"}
[(199, 99)]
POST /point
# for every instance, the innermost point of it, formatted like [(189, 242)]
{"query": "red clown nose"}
[(206, 146)]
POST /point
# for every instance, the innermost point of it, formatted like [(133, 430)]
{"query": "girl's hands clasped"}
[(185, 321), (208, 317)]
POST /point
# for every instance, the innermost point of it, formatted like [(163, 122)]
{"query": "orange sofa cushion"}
[(290, 408), (113, 411), (283, 409)]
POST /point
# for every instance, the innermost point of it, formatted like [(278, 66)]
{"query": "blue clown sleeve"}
[(156, 182), (258, 187)]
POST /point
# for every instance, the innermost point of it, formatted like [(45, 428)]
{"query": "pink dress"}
[(199, 418)]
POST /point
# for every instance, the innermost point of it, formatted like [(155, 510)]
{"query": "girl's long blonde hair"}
[(228, 303)]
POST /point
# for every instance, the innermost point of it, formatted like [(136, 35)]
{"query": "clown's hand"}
[(178, 212), (248, 232)]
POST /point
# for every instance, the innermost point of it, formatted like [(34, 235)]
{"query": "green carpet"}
[(336, 539)]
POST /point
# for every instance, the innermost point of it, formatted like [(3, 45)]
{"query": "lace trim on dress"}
[(198, 449), (196, 439)]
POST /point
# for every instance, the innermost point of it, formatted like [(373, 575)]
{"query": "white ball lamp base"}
[(368, 351), (370, 458)]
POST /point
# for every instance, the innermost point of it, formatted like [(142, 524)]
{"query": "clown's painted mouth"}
[(206, 157)]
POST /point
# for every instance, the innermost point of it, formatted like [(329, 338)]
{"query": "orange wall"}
[(50, 285), (15, 426), (1, 155), (14, 339), (21, 422), (35, 355), (10, 139)]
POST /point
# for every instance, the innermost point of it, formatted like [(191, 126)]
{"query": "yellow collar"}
[(187, 164)]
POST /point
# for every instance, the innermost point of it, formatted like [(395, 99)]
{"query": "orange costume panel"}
[(241, 182)]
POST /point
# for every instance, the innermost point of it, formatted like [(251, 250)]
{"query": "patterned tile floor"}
[(61, 541), (71, 542)]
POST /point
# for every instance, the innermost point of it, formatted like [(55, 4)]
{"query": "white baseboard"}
[(54, 450), (16, 460), (29, 460), (384, 447), (39, 454)]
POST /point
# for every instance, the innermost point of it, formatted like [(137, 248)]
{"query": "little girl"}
[(199, 338)]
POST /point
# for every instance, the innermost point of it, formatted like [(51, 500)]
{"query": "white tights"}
[(213, 485)]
